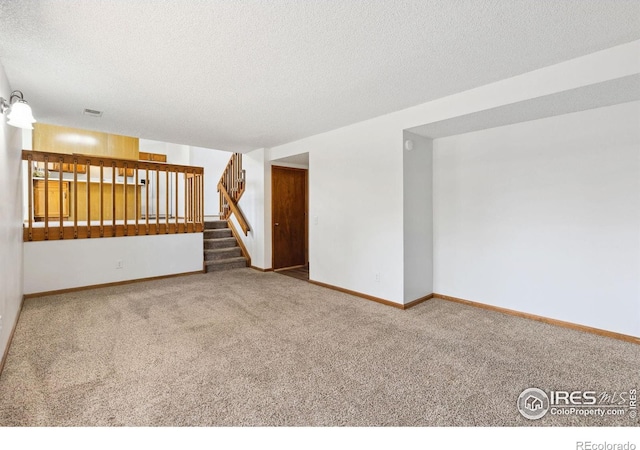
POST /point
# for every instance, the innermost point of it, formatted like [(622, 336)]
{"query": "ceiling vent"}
[(92, 113)]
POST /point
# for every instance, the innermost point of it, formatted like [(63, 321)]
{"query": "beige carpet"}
[(249, 348)]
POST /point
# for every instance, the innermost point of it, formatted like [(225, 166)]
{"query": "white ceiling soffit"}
[(239, 75), (611, 92)]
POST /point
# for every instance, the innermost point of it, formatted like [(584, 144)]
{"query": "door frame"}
[(306, 215)]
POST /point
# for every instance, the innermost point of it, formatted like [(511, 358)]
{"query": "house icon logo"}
[(533, 403)]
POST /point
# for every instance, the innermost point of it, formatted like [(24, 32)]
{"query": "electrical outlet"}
[(315, 220), (377, 277), (119, 264)]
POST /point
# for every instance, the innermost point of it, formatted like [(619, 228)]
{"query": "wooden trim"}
[(358, 294), (236, 235), (418, 301), (281, 269), (10, 340), (261, 270), (241, 220), (555, 322), (115, 283), (121, 230), (405, 306), (64, 158)]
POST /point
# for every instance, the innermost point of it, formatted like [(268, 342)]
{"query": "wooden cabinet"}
[(56, 139), (122, 147), (155, 157), (144, 156), (55, 167), (53, 195), (107, 199)]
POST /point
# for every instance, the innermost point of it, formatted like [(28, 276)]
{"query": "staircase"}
[(221, 250)]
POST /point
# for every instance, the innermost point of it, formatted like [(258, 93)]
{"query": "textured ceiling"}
[(612, 92), (238, 75)]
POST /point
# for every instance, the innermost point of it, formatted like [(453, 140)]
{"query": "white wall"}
[(176, 154), (214, 163), (355, 208), (544, 217), (10, 222), (54, 265), (356, 172), (418, 217)]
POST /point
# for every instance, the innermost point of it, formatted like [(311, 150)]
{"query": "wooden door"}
[(289, 216)]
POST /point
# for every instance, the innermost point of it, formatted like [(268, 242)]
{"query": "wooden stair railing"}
[(87, 196), (231, 187)]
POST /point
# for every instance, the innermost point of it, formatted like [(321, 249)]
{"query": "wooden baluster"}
[(126, 201), (194, 199), (234, 177), (101, 199), (30, 188), (60, 198), (196, 186), (75, 198), (176, 197), (230, 181), (166, 198), (186, 198), (88, 185), (137, 198), (146, 204), (202, 201), (113, 198), (46, 198), (157, 200), (241, 173), (237, 177), (196, 193), (220, 203)]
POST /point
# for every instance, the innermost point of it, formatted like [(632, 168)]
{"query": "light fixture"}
[(20, 114)]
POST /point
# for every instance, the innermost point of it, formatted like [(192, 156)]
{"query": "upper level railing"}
[(87, 196), (231, 187)]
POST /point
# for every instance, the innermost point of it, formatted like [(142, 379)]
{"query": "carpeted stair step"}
[(220, 243), (225, 264), (217, 233), (222, 253), (215, 224)]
